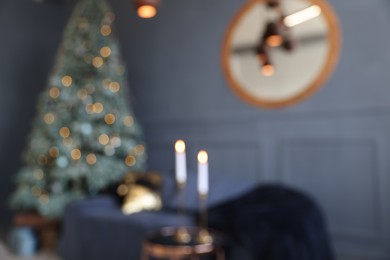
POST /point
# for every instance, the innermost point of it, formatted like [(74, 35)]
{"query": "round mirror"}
[(278, 52)]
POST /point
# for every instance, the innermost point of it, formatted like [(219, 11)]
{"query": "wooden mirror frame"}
[(334, 40)]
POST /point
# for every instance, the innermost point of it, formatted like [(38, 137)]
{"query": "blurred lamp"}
[(147, 8), (272, 36), (267, 68)]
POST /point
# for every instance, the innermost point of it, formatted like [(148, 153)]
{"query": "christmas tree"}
[(85, 136)]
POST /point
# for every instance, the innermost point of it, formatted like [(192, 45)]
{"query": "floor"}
[(6, 255)]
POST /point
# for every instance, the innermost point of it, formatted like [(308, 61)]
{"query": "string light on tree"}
[(128, 121), (89, 108), (49, 118), (97, 62), (54, 152), (104, 139), (114, 86), (139, 149), (54, 92), (97, 108), (105, 52), (91, 159), (130, 160), (64, 132), (76, 154), (109, 119), (67, 81), (105, 30)]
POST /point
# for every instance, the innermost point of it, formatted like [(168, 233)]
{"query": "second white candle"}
[(203, 173)]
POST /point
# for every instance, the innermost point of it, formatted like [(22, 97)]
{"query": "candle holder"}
[(204, 236), (182, 234)]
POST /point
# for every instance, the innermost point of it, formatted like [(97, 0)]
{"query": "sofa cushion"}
[(97, 229)]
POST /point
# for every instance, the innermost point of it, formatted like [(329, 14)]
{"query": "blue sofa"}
[(267, 222), (96, 229)]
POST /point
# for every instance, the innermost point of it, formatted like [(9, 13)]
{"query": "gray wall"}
[(334, 145)]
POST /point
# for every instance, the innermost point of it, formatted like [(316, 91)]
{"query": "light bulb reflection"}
[(302, 16), (274, 40), (268, 70)]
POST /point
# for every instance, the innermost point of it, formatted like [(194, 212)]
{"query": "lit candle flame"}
[(202, 157), (180, 146)]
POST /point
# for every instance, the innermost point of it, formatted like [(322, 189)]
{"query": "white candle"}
[(203, 173), (181, 163)]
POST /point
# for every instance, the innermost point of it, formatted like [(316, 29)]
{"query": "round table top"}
[(164, 240)]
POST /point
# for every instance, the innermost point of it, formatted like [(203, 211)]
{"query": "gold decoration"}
[(122, 190), (128, 121), (130, 160), (67, 81), (54, 152), (105, 52), (97, 62), (91, 159), (114, 86), (64, 132), (138, 196), (49, 118), (75, 154), (97, 108), (109, 119), (36, 191), (105, 30), (38, 174), (139, 149), (104, 139), (141, 198), (54, 92)]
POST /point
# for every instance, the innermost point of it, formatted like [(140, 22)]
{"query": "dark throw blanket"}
[(274, 223)]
